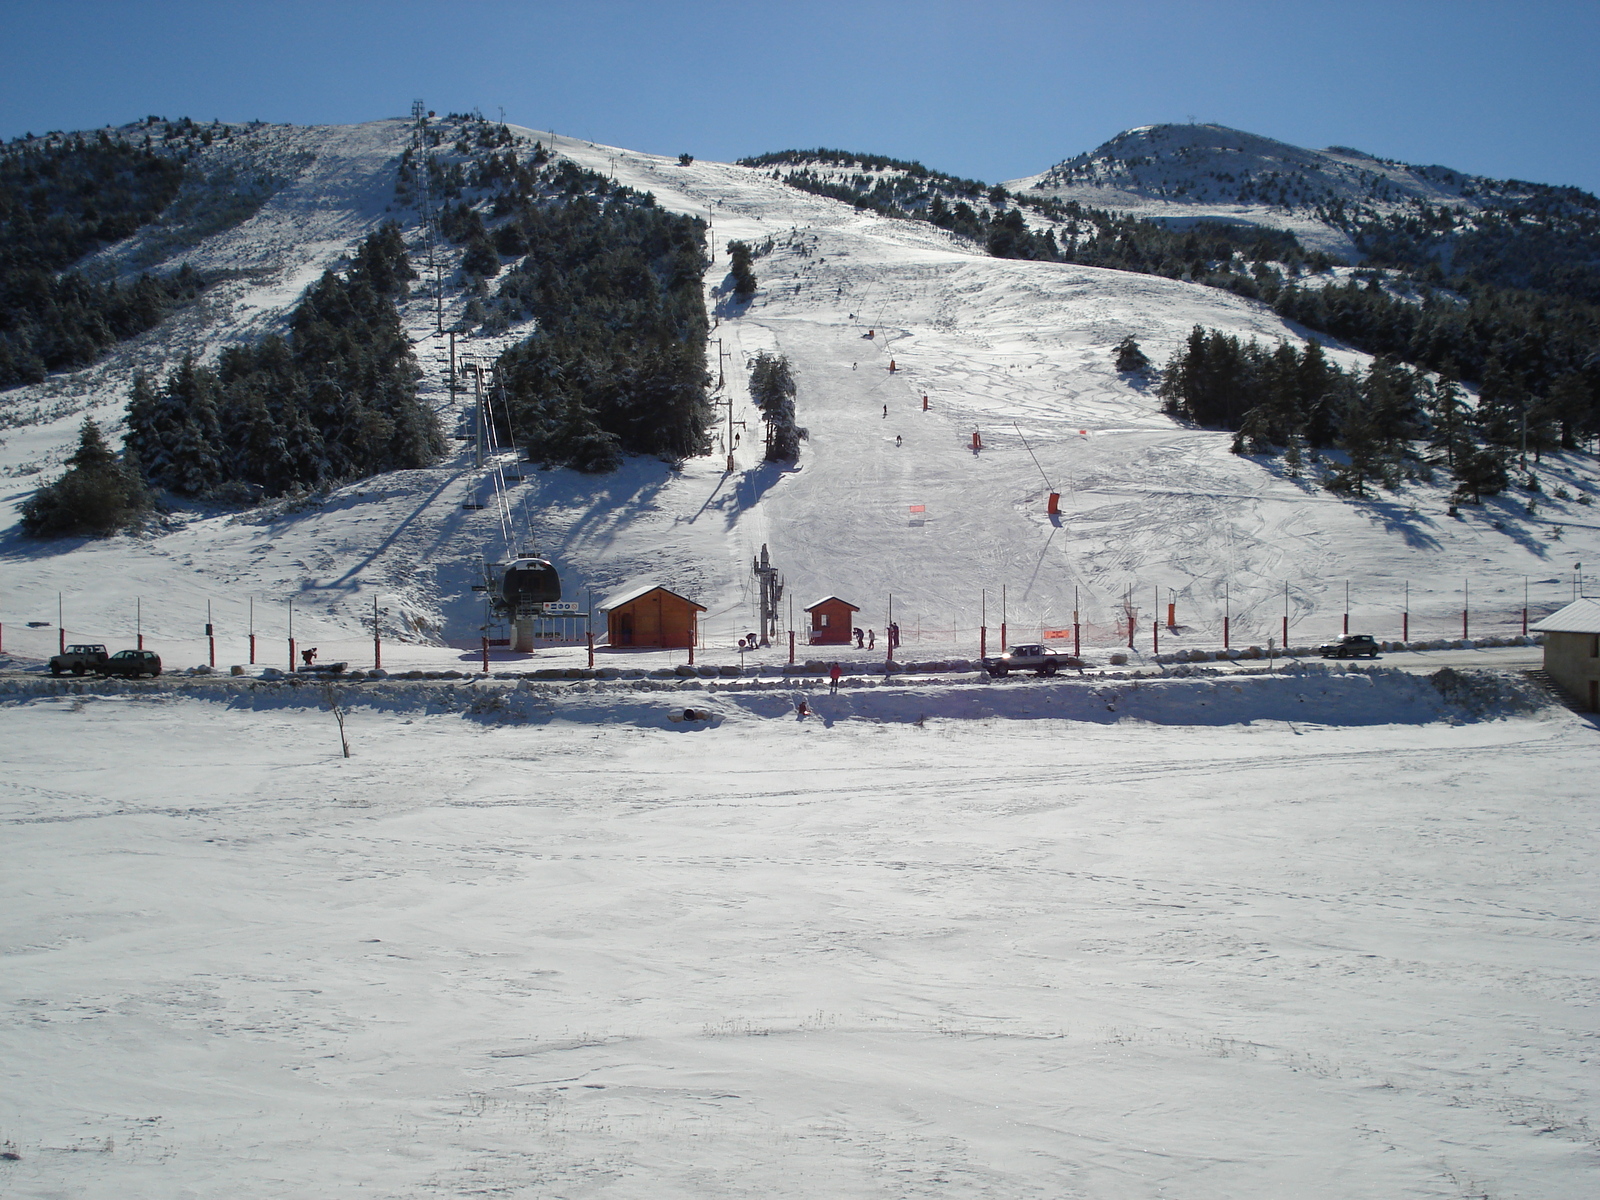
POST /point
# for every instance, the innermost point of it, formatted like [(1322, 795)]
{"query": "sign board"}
[(561, 606)]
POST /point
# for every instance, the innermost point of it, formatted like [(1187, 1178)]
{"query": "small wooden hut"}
[(651, 616), (831, 621)]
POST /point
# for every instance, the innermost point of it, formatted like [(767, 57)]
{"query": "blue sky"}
[(986, 90)]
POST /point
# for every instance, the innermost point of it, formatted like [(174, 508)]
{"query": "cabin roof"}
[(825, 599), (631, 594), (1581, 616)]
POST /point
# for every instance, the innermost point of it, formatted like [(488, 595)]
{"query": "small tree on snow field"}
[(744, 276), (1130, 358), (772, 388), (335, 700), (99, 495)]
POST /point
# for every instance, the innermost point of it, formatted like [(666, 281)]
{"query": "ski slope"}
[(1017, 352)]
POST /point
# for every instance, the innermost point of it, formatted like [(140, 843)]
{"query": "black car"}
[(132, 663), (1351, 645)]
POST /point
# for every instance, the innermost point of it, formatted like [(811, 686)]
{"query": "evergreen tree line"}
[(1532, 356), (1541, 238), (334, 400), (61, 199), (1298, 400), (614, 283)]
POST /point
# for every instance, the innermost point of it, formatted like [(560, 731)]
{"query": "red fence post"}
[(791, 647), (1155, 636), (983, 640), (1286, 635), (1077, 640), (591, 647), (252, 647), (485, 655), (1002, 637), (1225, 633), (1405, 627), (291, 654)]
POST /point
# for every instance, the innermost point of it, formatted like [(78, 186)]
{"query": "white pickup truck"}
[(1041, 659)]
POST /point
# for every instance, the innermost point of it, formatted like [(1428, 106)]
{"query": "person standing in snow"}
[(885, 412), (833, 679), (871, 638)]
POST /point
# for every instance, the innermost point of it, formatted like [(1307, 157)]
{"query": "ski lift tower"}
[(771, 593)]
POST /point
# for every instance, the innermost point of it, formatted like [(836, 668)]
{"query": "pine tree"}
[(1130, 358), (98, 495), (744, 276), (772, 387), (1450, 419)]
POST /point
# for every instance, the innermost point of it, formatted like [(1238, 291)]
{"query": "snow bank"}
[(1310, 693)]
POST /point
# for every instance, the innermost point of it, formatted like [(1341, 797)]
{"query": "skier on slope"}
[(833, 679)]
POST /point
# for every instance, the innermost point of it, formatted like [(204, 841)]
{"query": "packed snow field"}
[(567, 944), (1289, 933)]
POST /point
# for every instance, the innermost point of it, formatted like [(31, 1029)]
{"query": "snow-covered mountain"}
[(1188, 172), (889, 498)]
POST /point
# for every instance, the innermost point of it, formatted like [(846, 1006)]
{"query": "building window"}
[(822, 620)]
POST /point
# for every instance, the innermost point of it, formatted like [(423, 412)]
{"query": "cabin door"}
[(625, 628)]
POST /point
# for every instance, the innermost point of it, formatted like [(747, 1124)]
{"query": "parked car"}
[(1351, 645), (1040, 659), (132, 663), (78, 659)]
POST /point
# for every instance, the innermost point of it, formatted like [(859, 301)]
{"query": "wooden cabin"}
[(831, 621), (1572, 650), (652, 617)]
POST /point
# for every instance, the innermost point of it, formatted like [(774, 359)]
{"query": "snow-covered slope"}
[(1016, 352)]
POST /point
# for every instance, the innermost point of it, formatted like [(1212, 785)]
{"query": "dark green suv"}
[(132, 663)]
